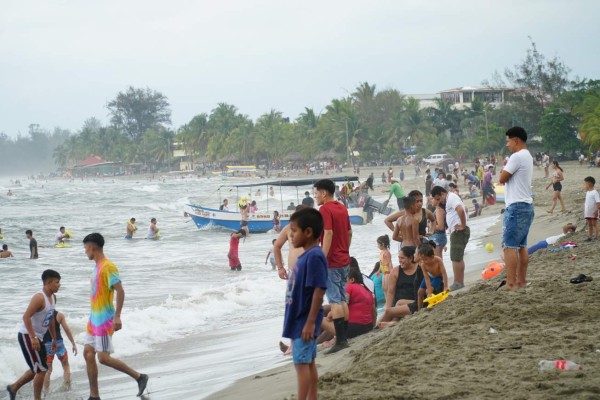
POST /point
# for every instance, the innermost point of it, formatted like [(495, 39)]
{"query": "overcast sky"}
[(62, 61)]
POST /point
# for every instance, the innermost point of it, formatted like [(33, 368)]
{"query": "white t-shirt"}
[(553, 239), (452, 217), (518, 187), (591, 198)]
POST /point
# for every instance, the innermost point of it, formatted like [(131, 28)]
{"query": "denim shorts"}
[(336, 285), (517, 221), (440, 239), (304, 352)]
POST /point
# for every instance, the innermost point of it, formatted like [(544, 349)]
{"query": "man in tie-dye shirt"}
[(104, 318)]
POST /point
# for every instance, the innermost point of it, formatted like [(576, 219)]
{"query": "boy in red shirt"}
[(335, 240)]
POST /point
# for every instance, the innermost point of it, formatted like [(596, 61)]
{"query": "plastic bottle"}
[(547, 365)]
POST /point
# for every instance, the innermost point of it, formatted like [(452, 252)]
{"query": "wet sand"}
[(448, 352)]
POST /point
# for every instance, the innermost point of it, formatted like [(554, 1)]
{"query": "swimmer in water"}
[(131, 229), (5, 253), (153, 231), (61, 235), (10, 193)]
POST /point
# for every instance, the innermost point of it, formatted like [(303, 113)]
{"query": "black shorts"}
[(413, 307), (36, 360), (244, 223), (557, 186), (355, 330)]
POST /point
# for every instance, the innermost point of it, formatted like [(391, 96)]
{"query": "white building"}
[(463, 96)]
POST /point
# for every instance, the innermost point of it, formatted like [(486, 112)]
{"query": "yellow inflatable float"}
[(62, 246)]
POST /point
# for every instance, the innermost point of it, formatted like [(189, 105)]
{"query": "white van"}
[(435, 159)]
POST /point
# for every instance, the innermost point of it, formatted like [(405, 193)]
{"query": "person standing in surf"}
[(130, 229), (33, 246), (105, 319), (335, 240), (234, 242), (153, 231), (37, 320)]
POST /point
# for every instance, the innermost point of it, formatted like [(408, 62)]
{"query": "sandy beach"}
[(448, 353)]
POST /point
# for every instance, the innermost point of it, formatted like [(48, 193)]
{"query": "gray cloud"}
[(61, 61)]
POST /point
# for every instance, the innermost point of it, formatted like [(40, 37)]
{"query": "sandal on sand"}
[(581, 278), (502, 284)]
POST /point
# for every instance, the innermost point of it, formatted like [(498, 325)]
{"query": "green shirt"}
[(396, 190)]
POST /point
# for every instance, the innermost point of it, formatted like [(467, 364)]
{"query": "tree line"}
[(369, 123)]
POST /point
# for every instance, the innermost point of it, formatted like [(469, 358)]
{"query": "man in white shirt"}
[(516, 176), (456, 219)]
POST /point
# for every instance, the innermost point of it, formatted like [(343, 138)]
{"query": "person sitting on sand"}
[(473, 190), (567, 229), (435, 279), (403, 287), (361, 306), (477, 208), (5, 253), (130, 229)]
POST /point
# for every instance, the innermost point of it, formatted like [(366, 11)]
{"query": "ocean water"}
[(176, 288)]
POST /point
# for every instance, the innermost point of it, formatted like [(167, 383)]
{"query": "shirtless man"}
[(131, 228), (407, 228), (390, 219), (5, 253)]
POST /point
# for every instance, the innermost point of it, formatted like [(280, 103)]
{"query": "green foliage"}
[(137, 110), (558, 130)]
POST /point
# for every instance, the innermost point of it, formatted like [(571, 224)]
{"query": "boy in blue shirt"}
[(304, 298)]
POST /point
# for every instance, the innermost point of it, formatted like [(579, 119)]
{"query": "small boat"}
[(360, 211)]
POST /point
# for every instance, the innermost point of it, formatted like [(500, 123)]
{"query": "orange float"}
[(493, 269)]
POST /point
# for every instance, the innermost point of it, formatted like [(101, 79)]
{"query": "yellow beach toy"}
[(68, 234), (62, 246), (132, 225), (436, 298), (244, 201), (1, 236)]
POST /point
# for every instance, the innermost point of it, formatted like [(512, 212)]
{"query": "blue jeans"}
[(336, 285), (304, 352), (517, 221), (440, 239)]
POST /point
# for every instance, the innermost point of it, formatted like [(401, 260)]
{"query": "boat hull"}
[(260, 222)]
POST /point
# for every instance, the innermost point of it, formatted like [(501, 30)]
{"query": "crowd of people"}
[(423, 233)]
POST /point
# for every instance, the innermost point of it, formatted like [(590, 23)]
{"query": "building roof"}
[(475, 88), (91, 160)]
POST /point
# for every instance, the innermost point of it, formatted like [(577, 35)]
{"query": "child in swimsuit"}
[(385, 259), (434, 273), (276, 221)]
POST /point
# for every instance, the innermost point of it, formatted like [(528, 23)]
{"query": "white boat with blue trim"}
[(360, 209)]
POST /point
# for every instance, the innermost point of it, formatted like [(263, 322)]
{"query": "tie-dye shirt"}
[(104, 278)]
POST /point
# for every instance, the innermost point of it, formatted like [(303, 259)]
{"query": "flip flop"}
[(503, 283), (581, 278)]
